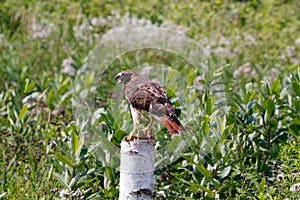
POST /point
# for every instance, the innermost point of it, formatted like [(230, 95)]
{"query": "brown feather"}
[(172, 126)]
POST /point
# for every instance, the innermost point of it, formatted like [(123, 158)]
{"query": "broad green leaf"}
[(297, 105), (294, 127), (275, 87), (274, 150), (296, 87), (217, 152), (109, 174), (248, 97), (226, 132), (261, 186), (209, 106), (221, 124), (204, 171), (63, 159), (23, 112), (75, 143), (269, 105), (188, 158), (205, 126), (28, 85)]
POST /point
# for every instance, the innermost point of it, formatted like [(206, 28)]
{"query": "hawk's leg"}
[(135, 114), (147, 130)]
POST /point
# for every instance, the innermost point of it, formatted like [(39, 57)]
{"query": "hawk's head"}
[(125, 76)]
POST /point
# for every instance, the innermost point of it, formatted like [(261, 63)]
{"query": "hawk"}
[(145, 95)]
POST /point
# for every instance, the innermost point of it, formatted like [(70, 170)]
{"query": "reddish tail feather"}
[(172, 126)]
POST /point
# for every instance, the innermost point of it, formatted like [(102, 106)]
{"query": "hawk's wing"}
[(152, 98)]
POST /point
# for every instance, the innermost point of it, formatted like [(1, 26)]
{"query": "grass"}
[(43, 43)]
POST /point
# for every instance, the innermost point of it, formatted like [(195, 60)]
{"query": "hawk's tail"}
[(173, 126)]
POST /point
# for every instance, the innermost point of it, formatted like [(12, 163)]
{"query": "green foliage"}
[(250, 150)]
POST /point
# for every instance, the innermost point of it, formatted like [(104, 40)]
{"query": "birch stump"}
[(137, 169)]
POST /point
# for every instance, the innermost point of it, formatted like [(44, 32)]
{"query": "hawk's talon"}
[(131, 135), (147, 131)]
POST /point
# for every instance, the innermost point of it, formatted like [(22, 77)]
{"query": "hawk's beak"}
[(117, 76)]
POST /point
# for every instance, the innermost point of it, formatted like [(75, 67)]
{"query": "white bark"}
[(137, 169)]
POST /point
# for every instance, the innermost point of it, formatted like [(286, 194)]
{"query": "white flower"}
[(280, 177), (63, 193), (224, 41), (217, 196), (67, 66), (290, 51), (77, 193), (245, 70), (295, 187), (161, 194), (41, 30)]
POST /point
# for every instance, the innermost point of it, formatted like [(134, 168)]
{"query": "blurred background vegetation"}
[(43, 43)]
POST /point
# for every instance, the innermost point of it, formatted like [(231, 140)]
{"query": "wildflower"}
[(245, 70), (217, 196), (41, 30), (63, 194), (280, 177), (224, 41), (295, 187), (84, 31), (77, 193), (161, 194), (290, 51), (67, 66), (294, 175)]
